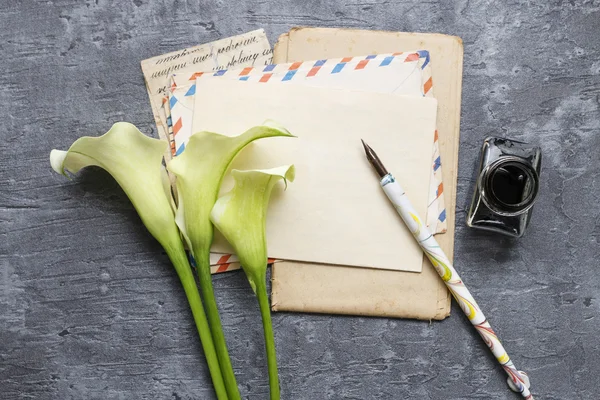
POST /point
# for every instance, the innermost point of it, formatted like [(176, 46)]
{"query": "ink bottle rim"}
[(492, 201)]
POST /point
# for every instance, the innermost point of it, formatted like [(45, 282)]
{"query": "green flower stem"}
[(241, 216), (199, 171), (179, 259), (265, 311), (212, 311)]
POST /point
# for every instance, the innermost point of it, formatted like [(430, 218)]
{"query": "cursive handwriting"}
[(240, 51), (185, 58)]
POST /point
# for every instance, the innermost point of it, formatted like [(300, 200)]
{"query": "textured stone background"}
[(91, 309)]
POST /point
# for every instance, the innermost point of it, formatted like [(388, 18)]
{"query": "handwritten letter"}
[(246, 50)]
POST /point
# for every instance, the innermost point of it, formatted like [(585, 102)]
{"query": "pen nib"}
[(366, 146), (374, 160)]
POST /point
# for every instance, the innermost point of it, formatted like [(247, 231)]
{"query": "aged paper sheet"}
[(335, 211)]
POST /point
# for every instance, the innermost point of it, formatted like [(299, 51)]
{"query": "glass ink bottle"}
[(506, 187)]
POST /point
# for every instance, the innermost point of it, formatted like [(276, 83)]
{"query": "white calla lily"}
[(241, 217), (135, 161), (199, 171)]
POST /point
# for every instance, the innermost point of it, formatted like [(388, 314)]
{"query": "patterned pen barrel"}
[(517, 380)]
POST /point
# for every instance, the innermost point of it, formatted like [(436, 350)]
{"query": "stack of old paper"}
[(333, 222), (317, 288)]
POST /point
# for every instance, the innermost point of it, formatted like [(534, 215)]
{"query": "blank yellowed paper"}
[(335, 211)]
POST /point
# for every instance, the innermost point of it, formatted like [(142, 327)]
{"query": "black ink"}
[(173, 57), (509, 185), (200, 59), (166, 71), (233, 46), (242, 58)]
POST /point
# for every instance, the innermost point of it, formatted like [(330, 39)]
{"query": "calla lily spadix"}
[(135, 161), (241, 217), (199, 171)]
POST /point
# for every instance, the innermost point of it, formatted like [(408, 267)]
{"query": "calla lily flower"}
[(199, 171), (135, 161), (241, 217)]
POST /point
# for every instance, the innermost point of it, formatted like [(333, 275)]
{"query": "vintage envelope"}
[(247, 49), (228, 261), (335, 212), (403, 73)]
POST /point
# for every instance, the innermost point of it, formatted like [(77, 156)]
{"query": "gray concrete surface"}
[(91, 309)]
